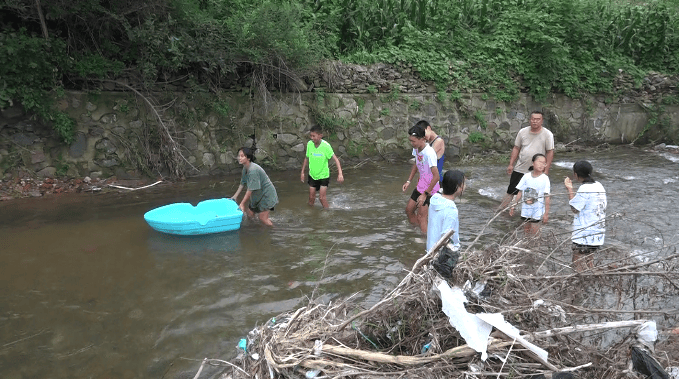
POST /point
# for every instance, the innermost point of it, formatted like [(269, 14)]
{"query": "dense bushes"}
[(497, 46)]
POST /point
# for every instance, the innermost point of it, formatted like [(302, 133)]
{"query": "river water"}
[(88, 290)]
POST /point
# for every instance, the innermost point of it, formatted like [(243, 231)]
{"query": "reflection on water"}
[(87, 289)]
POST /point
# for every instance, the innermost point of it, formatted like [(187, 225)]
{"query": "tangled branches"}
[(585, 321)]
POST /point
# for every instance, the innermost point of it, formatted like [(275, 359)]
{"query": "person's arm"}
[(340, 177), (513, 205), (549, 156), (432, 184), (235, 195), (306, 161), (545, 217), (434, 180), (246, 199), (439, 147), (512, 159), (410, 177), (569, 186)]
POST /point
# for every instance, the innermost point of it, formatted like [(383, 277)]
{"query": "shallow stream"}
[(88, 290)]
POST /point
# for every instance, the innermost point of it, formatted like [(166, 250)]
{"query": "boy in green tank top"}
[(318, 153)]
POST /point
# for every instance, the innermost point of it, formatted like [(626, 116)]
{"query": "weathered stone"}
[(136, 124), (22, 139), (105, 145), (287, 138), (388, 133), (37, 157), (208, 159), (96, 131), (75, 102), (96, 174), (78, 146), (90, 107), (300, 148), (504, 125), (47, 172), (109, 118), (109, 162), (190, 141)]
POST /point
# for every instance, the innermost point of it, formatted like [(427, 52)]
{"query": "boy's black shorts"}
[(317, 184), (417, 194)]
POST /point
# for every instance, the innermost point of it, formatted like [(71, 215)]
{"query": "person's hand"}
[(545, 218), (241, 206), (405, 185), (302, 177), (568, 183), (511, 211), (510, 168), (340, 178), (421, 199)]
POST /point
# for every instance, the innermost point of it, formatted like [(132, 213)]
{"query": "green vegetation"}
[(498, 47), (475, 137)]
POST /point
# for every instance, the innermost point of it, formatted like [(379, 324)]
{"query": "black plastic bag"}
[(645, 364), (446, 261)]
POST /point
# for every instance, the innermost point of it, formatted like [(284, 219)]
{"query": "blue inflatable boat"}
[(209, 216)]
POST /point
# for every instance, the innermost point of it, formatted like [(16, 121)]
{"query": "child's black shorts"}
[(416, 194), (317, 184)]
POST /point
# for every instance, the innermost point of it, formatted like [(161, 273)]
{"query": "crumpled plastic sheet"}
[(476, 328)]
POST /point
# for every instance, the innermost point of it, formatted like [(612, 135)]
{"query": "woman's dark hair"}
[(452, 180), (416, 131), (534, 158), (583, 170), (248, 152)]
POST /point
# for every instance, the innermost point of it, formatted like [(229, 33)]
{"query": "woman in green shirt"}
[(260, 193)]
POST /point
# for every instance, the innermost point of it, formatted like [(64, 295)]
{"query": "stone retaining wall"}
[(111, 127)]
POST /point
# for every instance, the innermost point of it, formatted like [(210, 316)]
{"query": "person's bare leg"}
[(410, 212), (264, 218), (578, 262), (423, 216), (506, 200), (322, 196), (312, 196)]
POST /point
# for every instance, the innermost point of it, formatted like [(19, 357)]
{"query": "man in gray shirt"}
[(529, 141)]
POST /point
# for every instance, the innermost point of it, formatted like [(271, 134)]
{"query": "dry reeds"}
[(586, 321)]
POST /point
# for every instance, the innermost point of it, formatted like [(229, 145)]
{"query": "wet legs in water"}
[(322, 196), (263, 217), (506, 201), (417, 215), (582, 261)]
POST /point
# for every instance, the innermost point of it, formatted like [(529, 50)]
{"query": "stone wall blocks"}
[(47, 172), (208, 159), (108, 118), (109, 163), (90, 107)]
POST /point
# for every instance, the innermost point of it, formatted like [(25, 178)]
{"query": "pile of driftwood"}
[(547, 321)]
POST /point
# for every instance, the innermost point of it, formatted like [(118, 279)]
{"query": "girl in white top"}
[(589, 206), (534, 189)]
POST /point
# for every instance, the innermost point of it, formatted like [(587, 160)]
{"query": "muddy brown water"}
[(88, 290)]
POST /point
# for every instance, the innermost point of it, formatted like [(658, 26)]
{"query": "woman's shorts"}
[(584, 249), (416, 194), (528, 219), (317, 184), (257, 210)]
